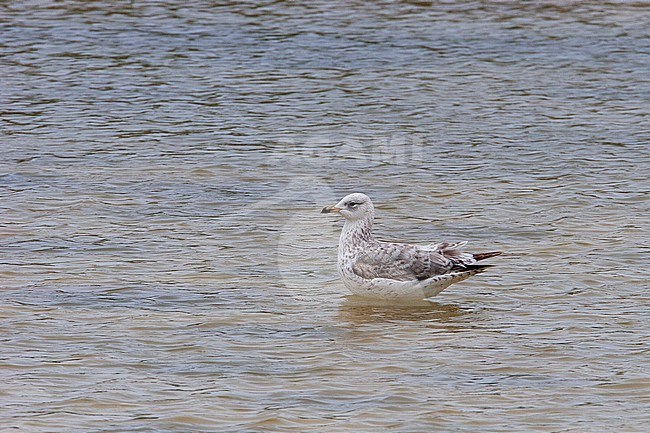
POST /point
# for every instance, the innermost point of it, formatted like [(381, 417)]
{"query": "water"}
[(165, 267)]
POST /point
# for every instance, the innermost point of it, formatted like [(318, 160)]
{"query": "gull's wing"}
[(405, 262)]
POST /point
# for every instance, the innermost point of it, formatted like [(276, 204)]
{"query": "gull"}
[(386, 270)]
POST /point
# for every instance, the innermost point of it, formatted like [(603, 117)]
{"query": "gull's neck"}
[(356, 233)]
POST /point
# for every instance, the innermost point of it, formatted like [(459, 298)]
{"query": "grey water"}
[(164, 265)]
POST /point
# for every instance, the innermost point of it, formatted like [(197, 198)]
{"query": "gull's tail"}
[(460, 259), (483, 256)]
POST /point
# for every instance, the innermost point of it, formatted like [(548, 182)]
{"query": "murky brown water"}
[(164, 266)]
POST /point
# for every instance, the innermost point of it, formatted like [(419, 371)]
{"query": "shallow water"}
[(165, 267)]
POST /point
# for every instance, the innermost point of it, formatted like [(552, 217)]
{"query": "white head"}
[(353, 207)]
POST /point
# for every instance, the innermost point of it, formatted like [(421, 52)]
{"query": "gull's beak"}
[(331, 209)]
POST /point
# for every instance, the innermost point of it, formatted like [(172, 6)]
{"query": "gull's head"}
[(353, 207)]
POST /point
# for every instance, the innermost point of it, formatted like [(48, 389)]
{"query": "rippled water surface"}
[(164, 266)]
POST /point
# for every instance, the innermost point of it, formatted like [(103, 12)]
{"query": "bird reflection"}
[(358, 310)]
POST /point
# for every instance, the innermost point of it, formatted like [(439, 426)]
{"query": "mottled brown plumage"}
[(375, 268)]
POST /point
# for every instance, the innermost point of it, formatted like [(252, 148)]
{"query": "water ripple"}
[(165, 267)]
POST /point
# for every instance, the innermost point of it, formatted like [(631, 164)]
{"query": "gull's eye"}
[(352, 204)]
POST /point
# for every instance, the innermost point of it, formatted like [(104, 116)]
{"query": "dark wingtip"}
[(483, 256), (477, 268)]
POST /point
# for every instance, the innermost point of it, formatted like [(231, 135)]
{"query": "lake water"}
[(164, 265)]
